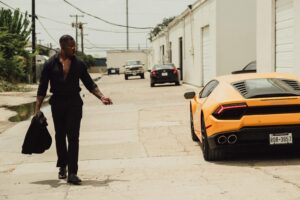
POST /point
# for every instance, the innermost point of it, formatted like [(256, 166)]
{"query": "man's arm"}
[(38, 104), (99, 95), (92, 87), (42, 89)]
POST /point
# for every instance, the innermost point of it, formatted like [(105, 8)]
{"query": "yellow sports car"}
[(246, 110)]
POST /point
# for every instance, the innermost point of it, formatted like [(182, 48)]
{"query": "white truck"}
[(118, 58), (134, 68)]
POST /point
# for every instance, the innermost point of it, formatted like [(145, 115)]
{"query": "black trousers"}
[(67, 118)]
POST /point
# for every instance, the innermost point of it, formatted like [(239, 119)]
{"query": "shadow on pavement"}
[(262, 159), (94, 183)]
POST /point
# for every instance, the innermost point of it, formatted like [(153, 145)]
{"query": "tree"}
[(14, 35), (87, 59), (159, 27)]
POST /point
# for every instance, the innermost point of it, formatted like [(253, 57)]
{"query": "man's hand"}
[(106, 100), (37, 113)]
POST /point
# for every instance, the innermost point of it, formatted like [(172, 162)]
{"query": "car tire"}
[(142, 76), (152, 84), (126, 77), (177, 83), (208, 153), (194, 136)]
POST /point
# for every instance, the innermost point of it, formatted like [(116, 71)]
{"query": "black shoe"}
[(74, 179), (62, 174)]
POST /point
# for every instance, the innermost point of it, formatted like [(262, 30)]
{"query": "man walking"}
[(64, 70)]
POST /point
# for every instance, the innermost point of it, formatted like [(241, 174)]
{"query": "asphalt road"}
[(139, 149)]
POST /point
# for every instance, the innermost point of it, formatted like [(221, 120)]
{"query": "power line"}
[(47, 31), (89, 28), (112, 31), (37, 19), (108, 22), (7, 5)]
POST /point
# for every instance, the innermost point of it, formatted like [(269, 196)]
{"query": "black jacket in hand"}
[(37, 138)]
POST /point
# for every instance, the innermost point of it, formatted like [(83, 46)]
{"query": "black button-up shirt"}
[(53, 72)]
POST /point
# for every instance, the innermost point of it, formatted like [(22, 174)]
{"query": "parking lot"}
[(140, 148)]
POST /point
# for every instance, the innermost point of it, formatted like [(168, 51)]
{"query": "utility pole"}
[(33, 42), (76, 27), (127, 24), (80, 26)]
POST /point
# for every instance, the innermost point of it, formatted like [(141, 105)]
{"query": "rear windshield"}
[(133, 62), (268, 87), (164, 66)]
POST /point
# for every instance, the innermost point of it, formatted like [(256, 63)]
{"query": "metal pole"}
[(76, 28), (33, 42), (81, 28), (127, 29)]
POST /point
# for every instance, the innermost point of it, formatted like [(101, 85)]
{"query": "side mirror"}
[(189, 95)]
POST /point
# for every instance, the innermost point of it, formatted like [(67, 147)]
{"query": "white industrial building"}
[(278, 36), (210, 38), (118, 58)]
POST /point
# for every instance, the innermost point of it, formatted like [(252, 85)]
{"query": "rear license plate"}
[(164, 74), (113, 71), (281, 138), (133, 73)]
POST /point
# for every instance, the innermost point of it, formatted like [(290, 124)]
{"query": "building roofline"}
[(180, 17)]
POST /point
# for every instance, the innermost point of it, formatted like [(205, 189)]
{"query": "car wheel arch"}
[(193, 134)]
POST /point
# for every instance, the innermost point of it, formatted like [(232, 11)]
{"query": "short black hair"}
[(64, 39)]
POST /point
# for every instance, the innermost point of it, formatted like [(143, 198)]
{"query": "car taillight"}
[(230, 111), (175, 70), (154, 73)]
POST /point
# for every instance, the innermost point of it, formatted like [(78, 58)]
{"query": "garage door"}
[(284, 28), (207, 71)]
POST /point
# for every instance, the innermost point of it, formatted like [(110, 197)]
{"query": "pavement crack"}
[(138, 132), (179, 142), (277, 177), (67, 193)]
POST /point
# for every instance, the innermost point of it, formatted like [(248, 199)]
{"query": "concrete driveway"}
[(140, 149)]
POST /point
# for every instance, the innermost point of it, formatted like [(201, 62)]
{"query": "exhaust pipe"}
[(222, 139), (232, 139)]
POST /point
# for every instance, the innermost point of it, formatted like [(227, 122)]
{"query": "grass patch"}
[(11, 87)]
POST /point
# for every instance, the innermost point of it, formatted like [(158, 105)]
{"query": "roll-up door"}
[(207, 71), (284, 31)]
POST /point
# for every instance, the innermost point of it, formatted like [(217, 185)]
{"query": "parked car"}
[(134, 68), (249, 68), (164, 73), (246, 111), (113, 70)]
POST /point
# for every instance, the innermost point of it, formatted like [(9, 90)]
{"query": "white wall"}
[(297, 36), (205, 15), (118, 58), (236, 35), (174, 35), (266, 36), (265, 48), (155, 49), (192, 41)]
